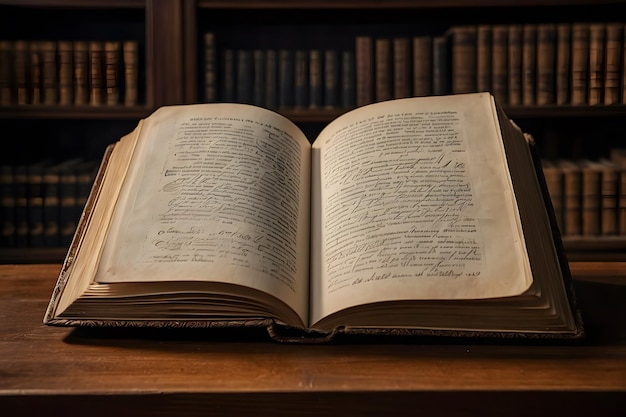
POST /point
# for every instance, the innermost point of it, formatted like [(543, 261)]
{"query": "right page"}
[(412, 200)]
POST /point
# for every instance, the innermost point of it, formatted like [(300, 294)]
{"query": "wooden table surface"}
[(60, 371)]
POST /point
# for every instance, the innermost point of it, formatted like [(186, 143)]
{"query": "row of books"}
[(69, 73), (588, 196), (541, 64), (521, 64), (280, 78), (41, 203)]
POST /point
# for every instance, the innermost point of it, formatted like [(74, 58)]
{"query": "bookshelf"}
[(172, 69)]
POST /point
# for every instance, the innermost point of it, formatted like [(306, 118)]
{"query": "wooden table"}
[(60, 371)]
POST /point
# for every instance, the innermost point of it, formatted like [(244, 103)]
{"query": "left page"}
[(215, 192)]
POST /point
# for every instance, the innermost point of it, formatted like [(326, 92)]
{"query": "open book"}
[(412, 216)]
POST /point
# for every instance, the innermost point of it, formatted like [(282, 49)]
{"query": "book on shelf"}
[(402, 75), (422, 65), (597, 41), (514, 64), (463, 70), (563, 63), (81, 73), (383, 59), (111, 73), (6, 73), (612, 69), (580, 63), (484, 46), (96, 73), (316, 79), (499, 66), (130, 53), (546, 61), (225, 215)]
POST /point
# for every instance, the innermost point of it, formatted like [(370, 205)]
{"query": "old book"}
[(572, 194), (49, 75), (580, 63), (563, 63), (7, 206), (316, 79), (529, 64), (286, 78), (348, 80), (591, 179), (258, 77), (484, 55), (271, 79), (130, 56), (245, 76), (66, 67), (554, 182), (225, 215), (81, 73), (609, 197), (597, 40), (422, 59), (364, 70), (402, 64), (6, 73), (499, 66), (441, 66), (96, 73), (301, 79), (228, 76), (35, 58), (210, 68), (514, 64), (111, 72), (463, 56), (383, 60), (331, 79), (546, 70), (21, 72), (613, 63)]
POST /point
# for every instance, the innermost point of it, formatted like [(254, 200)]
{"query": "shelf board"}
[(389, 4), (82, 4), (73, 112)]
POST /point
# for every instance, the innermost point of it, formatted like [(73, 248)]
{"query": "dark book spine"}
[(614, 49), (402, 60), (20, 178), (271, 79), (210, 68), (515, 64), (597, 39), (6, 73), (286, 82), (441, 66), (316, 86), (422, 66), (383, 69), (51, 207), (49, 72), (111, 72), (348, 80), (499, 70), (580, 63), (35, 57), (67, 201), (331, 79), (301, 80), (7, 207), (258, 72), (228, 76), (96, 74), (81, 73), (529, 64), (463, 40), (21, 72), (66, 90), (245, 77), (35, 205), (546, 48), (563, 63), (131, 73), (365, 72), (484, 45)]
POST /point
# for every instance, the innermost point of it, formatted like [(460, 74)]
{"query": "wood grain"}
[(134, 372)]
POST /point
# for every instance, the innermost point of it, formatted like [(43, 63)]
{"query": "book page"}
[(216, 192), (416, 202)]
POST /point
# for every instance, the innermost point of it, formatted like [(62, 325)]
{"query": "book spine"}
[(210, 68), (609, 199), (6, 73), (515, 64), (364, 56), (259, 86), (546, 48), (563, 63), (20, 182), (348, 80), (271, 79), (81, 73), (529, 64), (484, 45), (590, 194), (49, 72), (96, 62), (331, 79), (554, 182), (51, 207), (572, 200), (21, 72), (111, 71), (422, 66), (580, 63), (228, 75), (67, 202), (286, 78), (441, 66), (301, 79), (7, 207), (245, 76), (383, 62), (402, 68), (499, 83), (130, 52), (612, 69), (621, 204), (597, 38), (35, 205), (316, 86), (463, 59), (66, 90), (35, 58)]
